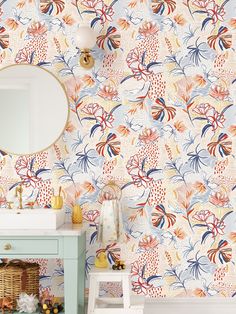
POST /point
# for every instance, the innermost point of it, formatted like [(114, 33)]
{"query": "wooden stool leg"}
[(93, 293), (126, 291)]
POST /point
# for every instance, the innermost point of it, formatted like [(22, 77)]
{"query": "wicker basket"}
[(17, 276)]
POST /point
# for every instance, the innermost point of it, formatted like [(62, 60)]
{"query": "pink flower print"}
[(215, 12), (22, 164), (140, 72), (23, 169), (219, 199), (91, 3), (105, 13), (202, 215), (133, 163), (141, 179), (91, 215), (37, 29), (148, 136), (23, 56), (148, 243), (91, 108), (108, 92), (216, 120), (215, 225), (133, 57), (202, 3), (202, 109), (148, 28), (135, 270), (105, 120), (219, 92), (29, 179), (141, 286)]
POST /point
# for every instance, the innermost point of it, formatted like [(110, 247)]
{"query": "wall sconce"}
[(86, 40)]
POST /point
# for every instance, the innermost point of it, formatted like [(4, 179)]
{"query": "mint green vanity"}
[(67, 243)]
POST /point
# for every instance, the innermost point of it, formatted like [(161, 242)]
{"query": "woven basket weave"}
[(17, 276)]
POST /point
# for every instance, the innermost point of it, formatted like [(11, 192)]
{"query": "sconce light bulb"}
[(86, 38)]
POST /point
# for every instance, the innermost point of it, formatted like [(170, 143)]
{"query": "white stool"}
[(125, 305)]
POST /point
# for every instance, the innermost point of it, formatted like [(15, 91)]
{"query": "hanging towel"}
[(110, 228)]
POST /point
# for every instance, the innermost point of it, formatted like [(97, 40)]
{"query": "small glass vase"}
[(77, 216)]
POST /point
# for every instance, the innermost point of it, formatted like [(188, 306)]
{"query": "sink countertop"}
[(64, 230)]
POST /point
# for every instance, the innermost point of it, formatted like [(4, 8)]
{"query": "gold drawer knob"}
[(7, 247)]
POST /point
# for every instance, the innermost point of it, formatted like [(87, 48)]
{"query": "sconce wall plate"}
[(86, 59)]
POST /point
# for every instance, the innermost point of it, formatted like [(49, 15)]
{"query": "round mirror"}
[(34, 109)]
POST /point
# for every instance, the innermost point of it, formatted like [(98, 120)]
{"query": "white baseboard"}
[(190, 306)]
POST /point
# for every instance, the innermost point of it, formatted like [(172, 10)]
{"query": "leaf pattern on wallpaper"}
[(156, 115)]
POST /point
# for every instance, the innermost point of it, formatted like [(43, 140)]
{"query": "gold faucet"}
[(19, 191)]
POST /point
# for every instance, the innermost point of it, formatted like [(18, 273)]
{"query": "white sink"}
[(38, 218)]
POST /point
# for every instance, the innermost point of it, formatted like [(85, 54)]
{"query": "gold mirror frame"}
[(68, 107)]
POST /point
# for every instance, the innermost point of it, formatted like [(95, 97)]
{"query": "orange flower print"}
[(123, 130), (199, 293), (200, 187), (123, 23), (219, 92), (88, 186), (200, 80), (232, 236), (12, 24), (133, 4), (232, 23), (232, 130), (179, 232), (179, 19), (68, 19), (88, 80), (180, 126), (70, 127), (22, 3)]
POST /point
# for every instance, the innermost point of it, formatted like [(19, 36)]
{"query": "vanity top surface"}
[(64, 230)]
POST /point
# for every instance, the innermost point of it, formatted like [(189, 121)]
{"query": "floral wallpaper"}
[(156, 115)]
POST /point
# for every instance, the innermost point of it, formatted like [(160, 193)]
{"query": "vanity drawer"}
[(29, 246)]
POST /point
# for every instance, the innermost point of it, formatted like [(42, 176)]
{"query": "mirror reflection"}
[(33, 109)]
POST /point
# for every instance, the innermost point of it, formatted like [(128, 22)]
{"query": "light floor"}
[(194, 306)]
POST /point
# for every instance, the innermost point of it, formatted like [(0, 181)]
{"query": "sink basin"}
[(38, 218)]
